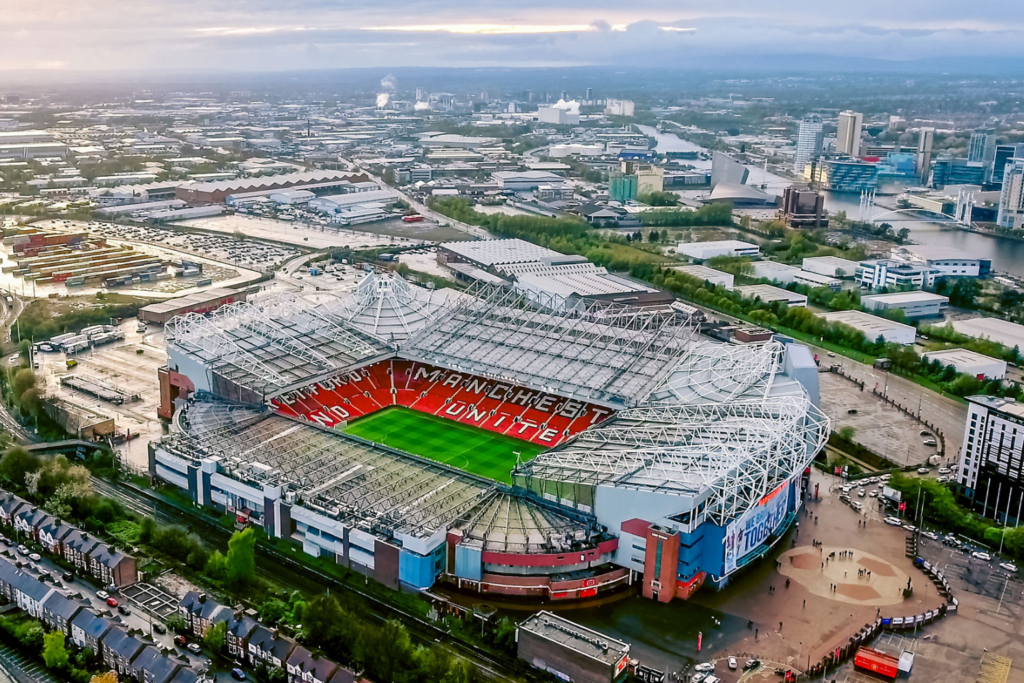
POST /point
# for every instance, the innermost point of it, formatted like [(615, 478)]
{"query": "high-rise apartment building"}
[(808, 142), (1011, 198), (983, 146), (989, 472), (1005, 154), (925, 141), (848, 133)]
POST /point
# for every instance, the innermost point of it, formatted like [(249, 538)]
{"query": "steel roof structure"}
[(604, 353), (389, 308), (722, 422), (368, 485)]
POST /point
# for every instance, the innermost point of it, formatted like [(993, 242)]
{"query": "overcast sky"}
[(260, 35)]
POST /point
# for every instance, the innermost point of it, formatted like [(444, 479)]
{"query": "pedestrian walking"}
[(805, 603)]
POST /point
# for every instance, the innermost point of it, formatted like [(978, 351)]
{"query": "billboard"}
[(745, 534), (891, 493)]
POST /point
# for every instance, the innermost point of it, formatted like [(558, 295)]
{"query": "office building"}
[(843, 175), (989, 472), (808, 142), (1011, 198), (946, 261), (876, 274), (916, 304), (571, 652), (874, 327), (801, 208), (982, 147), (1004, 155), (925, 141), (949, 171), (848, 133)]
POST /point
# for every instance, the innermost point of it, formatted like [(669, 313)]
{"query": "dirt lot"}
[(878, 426)]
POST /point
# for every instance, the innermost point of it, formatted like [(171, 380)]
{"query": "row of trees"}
[(386, 653), (941, 508)]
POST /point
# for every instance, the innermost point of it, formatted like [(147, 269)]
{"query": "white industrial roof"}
[(994, 329), (906, 297), (495, 252), (701, 272), (353, 198), (723, 244), (867, 323), (936, 253), (595, 283), (831, 260), (961, 357), (769, 293)]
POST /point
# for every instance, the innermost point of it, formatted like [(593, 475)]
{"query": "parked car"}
[(857, 505), (979, 555), (179, 641), (35, 557), (68, 577), (861, 493), (159, 628), (944, 470), (706, 666), (1008, 566), (732, 663), (102, 595), (112, 602), (238, 674), (194, 648), (751, 664), (922, 470), (873, 494), (894, 521), (22, 550), (123, 610)]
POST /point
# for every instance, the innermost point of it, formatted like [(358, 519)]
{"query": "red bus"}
[(412, 219)]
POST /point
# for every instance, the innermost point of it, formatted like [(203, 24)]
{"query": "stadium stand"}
[(497, 406)]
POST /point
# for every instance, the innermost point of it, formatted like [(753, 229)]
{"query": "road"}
[(282, 570)]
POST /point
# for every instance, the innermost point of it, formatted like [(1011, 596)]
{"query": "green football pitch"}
[(463, 446)]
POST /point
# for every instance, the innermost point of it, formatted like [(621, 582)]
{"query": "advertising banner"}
[(749, 531)]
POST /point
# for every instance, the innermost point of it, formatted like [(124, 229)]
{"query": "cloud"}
[(257, 35)]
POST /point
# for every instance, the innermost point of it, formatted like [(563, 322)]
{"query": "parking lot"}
[(877, 425), (238, 251), (121, 366), (299, 234)]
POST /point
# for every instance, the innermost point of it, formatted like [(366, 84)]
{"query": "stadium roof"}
[(364, 484), (389, 308), (724, 421), (271, 345), (608, 354)]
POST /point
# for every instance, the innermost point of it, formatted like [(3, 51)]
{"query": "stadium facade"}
[(669, 459)]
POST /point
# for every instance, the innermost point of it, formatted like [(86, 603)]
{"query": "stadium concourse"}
[(513, 444)]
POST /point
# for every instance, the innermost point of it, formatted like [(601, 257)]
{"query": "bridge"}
[(930, 216)]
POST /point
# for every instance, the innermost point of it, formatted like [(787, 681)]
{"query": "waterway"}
[(1007, 254)]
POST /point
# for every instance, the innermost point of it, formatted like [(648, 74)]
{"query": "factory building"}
[(913, 304), (874, 327), (769, 295), (702, 251), (969, 362), (217, 191), (831, 266), (715, 277)]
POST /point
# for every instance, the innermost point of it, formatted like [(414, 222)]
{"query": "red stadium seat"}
[(445, 393)]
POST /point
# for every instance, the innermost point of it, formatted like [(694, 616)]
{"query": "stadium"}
[(491, 438)]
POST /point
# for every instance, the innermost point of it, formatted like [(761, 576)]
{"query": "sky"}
[(280, 35)]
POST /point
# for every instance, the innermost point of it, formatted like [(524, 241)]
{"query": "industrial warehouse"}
[(652, 441)]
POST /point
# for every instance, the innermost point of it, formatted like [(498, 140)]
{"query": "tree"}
[(55, 653), (241, 558), (320, 618), (107, 677), (847, 433), (217, 566), (387, 651), (177, 624), (16, 464), (147, 529), (216, 637)]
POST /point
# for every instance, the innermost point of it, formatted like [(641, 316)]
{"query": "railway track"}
[(293, 575)]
